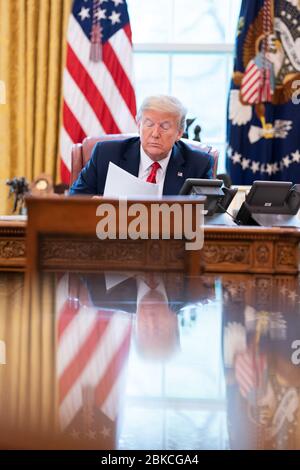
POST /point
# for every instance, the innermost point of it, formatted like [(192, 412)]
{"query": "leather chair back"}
[(81, 153)]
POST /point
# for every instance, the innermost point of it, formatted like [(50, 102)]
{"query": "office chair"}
[(81, 153)]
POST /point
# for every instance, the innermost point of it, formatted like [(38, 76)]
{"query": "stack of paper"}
[(120, 183)]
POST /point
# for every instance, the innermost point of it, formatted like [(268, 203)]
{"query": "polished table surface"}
[(150, 361)]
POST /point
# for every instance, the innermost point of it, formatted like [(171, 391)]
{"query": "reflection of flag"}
[(92, 354), (262, 130), (98, 93), (249, 372)]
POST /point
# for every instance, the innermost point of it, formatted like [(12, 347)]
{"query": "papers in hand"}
[(113, 279), (120, 183)]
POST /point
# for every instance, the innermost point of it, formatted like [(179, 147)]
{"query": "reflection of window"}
[(185, 48), (181, 402)]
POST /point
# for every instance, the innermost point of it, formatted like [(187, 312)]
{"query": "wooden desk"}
[(61, 234), (226, 249)]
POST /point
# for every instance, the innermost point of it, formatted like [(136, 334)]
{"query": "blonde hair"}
[(164, 103)]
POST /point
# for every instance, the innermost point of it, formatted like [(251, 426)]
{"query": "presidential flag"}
[(98, 91), (264, 106)]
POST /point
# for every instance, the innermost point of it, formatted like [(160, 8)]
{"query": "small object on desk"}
[(225, 178), (218, 199), (42, 185), (197, 131), (189, 122), (271, 204), (19, 188), (61, 188)]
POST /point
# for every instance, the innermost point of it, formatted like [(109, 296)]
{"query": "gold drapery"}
[(28, 379), (32, 51)]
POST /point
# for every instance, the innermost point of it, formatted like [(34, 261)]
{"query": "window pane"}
[(188, 21), (149, 21), (201, 22), (200, 81), (151, 75)]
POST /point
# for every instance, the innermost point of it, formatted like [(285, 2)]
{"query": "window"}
[(185, 48)]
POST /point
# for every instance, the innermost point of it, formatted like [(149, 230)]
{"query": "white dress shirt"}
[(145, 169), (143, 289)]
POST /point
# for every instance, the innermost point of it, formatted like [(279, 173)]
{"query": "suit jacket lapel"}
[(174, 178), (131, 159)]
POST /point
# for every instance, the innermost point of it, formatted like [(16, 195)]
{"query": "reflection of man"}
[(157, 156), (157, 333)]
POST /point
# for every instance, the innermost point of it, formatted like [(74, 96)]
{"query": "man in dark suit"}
[(154, 298), (156, 156)]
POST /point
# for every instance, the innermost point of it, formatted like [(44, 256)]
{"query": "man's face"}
[(158, 133), (156, 326)]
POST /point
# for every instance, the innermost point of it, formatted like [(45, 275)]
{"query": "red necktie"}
[(152, 175)]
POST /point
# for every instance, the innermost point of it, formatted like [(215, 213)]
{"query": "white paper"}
[(114, 278), (120, 183)]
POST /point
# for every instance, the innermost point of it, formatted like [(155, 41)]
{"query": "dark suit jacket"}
[(123, 296), (185, 162)]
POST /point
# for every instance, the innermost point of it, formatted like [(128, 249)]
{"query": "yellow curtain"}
[(11, 296), (28, 380), (32, 51)]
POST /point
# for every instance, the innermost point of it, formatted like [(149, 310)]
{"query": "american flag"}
[(99, 96), (92, 353), (256, 84)]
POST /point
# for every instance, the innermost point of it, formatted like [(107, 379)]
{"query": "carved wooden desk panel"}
[(226, 249), (12, 245), (251, 249)]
